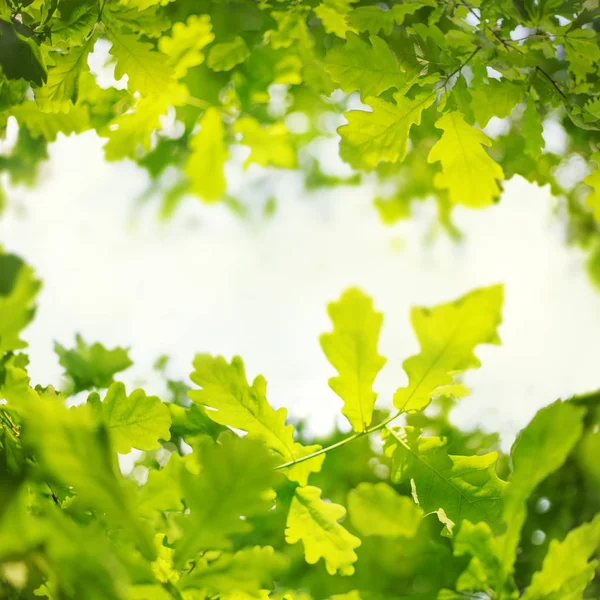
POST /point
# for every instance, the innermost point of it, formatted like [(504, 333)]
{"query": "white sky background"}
[(208, 281)]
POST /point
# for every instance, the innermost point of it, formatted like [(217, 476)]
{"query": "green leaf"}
[(382, 135), (448, 335), (494, 99), (184, 47), (206, 164), (18, 290), (593, 180), (20, 57), (454, 487), (315, 522), (377, 509), (237, 404), (552, 434), (134, 421), (333, 15), (247, 571), (132, 131), (532, 129), (269, 145), (147, 70), (479, 542), (49, 125), (162, 491), (149, 21), (468, 173), (62, 89), (375, 19), (566, 572), (75, 22), (73, 450), (235, 482), (92, 366), (351, 348), (370, 69), (226, 55)]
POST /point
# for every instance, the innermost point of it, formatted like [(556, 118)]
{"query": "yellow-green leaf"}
[(468, 173), (382, 135), (243, 406), (448, 335), (352, 349), (226, 55), (454, 487), (333, 15), (18, 289), (62, 88), (270, 145), (552, 434), (370, 69), (531, 129), (205, 166), (134, 421), (91, 366), (184, 47), (593, 180), (132, 132), (233, 482), (315, 522), (567, 570), (147, 69), (247, 571), (378, 509)]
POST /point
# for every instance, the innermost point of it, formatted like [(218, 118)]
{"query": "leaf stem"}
[(343, 442), (8, 421), (172, 590), (197, 102), (556, 87)]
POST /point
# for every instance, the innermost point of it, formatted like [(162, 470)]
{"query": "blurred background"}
[(254, 280)]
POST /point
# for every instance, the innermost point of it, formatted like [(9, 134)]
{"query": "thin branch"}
[(464, 64), (54, 496), (537, 68), (343, 442), (8, 421), (172, 590)]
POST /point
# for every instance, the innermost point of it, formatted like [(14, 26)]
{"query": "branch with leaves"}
[(227, 499)]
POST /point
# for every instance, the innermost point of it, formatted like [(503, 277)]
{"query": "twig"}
[(552, 82), (343, 442)]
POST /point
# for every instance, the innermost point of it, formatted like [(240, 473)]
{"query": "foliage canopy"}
[(441, 100), (229, 500), (192, 82)]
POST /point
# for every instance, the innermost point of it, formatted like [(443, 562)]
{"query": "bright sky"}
[(208, 281)]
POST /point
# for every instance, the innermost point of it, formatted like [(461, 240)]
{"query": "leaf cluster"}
[(226, 499)]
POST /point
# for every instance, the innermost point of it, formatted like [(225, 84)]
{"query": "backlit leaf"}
[(370, 69), (468, 173), (134, 421), (315, 522), (456, 487), (448, 335), (377, 509), (184, 46), (243, 406), (205, 166), (18, 290), (352, 349), (226, 55), (382, 135), (234, 482), (567, 570), (92, 366)]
